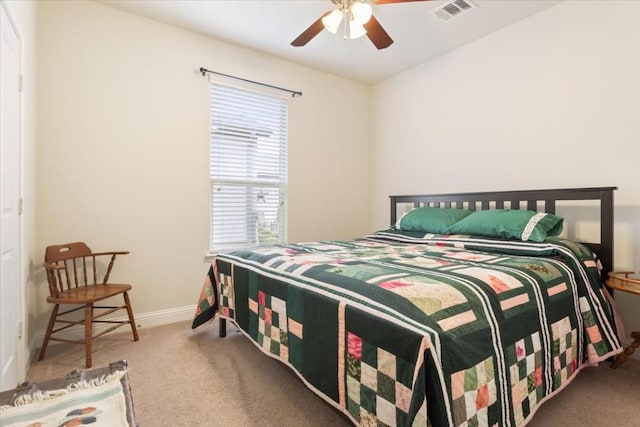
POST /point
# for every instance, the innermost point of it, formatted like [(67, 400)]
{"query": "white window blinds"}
[(248, 168)]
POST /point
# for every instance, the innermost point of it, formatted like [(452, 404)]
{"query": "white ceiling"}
[(270, 25)]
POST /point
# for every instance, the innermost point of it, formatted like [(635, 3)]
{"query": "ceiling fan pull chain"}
[(348, 16), (347, 24)]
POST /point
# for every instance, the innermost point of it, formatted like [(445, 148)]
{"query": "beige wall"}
[(23, 14), (549, 102), (123, 146)]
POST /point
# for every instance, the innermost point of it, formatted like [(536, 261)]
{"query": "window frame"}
[(256, 121)]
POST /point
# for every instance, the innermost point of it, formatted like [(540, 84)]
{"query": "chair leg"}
[(132, 321), (88, 331), (47, 336)]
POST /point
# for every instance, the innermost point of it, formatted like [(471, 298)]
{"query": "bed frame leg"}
[(223, 328)]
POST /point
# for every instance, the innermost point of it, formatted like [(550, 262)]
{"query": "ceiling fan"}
[(358, 21)]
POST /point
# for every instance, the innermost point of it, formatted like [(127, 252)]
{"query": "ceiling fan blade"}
[(313, 30), (377, 34), (393, 1)]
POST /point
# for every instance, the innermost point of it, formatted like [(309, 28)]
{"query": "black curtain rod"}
[(292, 92)]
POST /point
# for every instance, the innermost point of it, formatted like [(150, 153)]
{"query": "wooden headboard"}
[(535, 200)]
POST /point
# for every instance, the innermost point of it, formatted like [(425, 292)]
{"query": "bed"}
[(469, 310)]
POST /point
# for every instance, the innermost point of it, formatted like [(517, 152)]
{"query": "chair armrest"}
[(113, 254), (54, 266), (110, 253)]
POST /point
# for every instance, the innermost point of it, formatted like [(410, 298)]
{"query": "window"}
[(248, 168)]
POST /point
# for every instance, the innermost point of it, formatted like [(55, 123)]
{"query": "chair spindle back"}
[(72, 265)]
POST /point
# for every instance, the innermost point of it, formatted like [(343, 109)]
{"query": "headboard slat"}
[(550, 206)]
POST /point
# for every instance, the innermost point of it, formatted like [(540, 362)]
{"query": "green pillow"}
[(431, 220), (509, 224)]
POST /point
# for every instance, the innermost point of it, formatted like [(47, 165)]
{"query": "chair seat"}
[(88, 294)]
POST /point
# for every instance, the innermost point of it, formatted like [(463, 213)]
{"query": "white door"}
[(10, 323)]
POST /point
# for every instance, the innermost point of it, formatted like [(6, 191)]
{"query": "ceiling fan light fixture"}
[(361, 13), (356, 30), (332, 21), (355, 19)]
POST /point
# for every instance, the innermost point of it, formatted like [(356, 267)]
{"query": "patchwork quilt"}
[(407, 329)]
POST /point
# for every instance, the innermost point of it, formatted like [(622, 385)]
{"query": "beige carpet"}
[(183, 377)]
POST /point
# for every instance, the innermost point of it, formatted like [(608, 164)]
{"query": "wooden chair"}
[(73, 273)]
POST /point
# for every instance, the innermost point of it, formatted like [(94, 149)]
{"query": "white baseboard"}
[(143, 320)]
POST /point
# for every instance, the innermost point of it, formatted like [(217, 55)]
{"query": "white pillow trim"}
[(397, 224), (531, 225)]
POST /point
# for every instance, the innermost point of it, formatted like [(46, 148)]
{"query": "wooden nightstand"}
[(620, 281)]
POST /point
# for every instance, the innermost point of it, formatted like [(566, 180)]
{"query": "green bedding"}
[(399, 328)]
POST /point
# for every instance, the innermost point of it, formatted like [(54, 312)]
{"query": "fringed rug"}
[(100, 401)]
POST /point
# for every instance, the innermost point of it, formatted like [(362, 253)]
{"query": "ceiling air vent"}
[(453, 9)]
